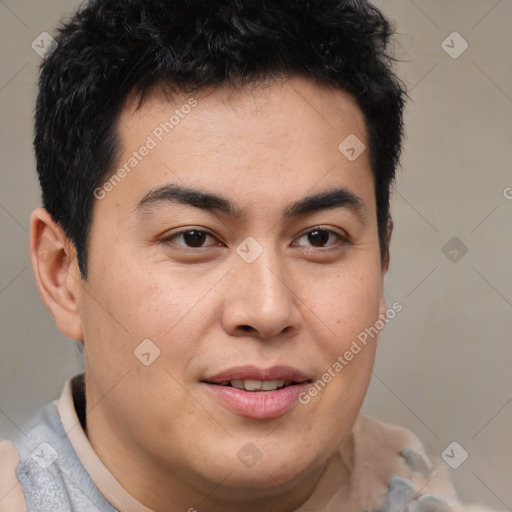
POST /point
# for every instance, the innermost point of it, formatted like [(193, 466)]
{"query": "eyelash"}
[(342, 240)]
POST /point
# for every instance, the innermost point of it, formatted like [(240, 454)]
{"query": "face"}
[(238, 250)]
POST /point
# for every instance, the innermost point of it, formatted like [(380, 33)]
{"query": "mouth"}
[(256, 385), (258, 393)]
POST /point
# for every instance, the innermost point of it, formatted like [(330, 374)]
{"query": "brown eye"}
[(320, 237), (193, 238)]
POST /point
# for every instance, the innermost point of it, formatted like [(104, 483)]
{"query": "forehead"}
[(254, 142), (296, 96)]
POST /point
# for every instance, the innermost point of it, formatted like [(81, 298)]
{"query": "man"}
[(215, 232)]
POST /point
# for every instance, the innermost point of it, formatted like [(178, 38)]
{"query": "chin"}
[(263, 471), (257, 482)]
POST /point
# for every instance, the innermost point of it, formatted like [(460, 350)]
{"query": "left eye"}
[(319, 237), (191, 238)]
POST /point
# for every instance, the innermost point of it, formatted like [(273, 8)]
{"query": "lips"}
[(242, 373), (258, 393)]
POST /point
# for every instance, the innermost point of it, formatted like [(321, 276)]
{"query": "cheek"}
[(350, 308), (346, 302), (346, 308), (136, 306), (141, 302), (169, 306)]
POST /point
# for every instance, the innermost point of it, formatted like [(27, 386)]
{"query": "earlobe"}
[(56, 271)]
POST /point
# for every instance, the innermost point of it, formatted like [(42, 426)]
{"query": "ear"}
[(56, 271)]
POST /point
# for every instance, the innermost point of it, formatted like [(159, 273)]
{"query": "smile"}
[(257, 393)]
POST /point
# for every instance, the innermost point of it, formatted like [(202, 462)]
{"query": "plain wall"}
[(443, 363)]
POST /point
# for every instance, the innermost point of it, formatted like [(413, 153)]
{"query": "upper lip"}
[(282, 372)]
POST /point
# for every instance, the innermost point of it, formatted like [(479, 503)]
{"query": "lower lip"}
[(258, 405)]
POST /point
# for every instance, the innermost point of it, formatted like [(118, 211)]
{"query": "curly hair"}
[(110, 49)]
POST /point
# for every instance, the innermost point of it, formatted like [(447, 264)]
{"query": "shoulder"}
[(378, 433), (12, 498), (386, 452), (392, 446), (17, 463), (399, 465)]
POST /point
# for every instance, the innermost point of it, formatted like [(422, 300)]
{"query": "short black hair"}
[(110, 49)]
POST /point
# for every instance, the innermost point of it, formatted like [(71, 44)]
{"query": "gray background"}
[(443, 363)]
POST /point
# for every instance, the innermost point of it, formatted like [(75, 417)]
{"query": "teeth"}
[(256, 385), (268, 385)]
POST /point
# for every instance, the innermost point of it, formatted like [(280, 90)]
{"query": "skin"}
[(156, 428)]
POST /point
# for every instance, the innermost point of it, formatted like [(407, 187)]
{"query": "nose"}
[(260, 299)]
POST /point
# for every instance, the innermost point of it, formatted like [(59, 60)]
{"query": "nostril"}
[(246, 327)]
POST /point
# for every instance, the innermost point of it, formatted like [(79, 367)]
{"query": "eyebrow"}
[(171, 193)]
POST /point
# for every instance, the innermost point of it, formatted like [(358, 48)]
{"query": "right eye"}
[(190, 238)]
